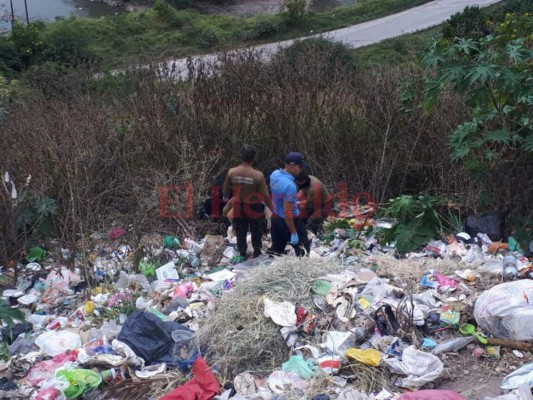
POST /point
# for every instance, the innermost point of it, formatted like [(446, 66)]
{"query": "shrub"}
[(67, 44), (263, 28), (470, 23), (294, 10)]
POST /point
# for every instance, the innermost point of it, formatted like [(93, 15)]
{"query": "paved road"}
[(412, 20)]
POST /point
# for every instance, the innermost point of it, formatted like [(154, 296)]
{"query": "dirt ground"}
[(476, 378)]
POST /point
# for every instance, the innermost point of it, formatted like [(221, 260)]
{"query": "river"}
[(49, 9)]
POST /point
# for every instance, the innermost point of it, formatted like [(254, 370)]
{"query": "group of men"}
[(297, 201)]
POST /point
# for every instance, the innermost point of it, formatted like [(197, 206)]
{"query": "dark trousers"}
[(281, 235), (249, 217)]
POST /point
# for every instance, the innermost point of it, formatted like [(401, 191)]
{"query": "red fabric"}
[(432, 395), (203, 385)]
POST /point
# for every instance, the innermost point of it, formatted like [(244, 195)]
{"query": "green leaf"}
[(10, 315), (25, 217), (501, 136), (482, 73), (490, 155), (401, 207), (45, 206), (466, 46), (528, 144)]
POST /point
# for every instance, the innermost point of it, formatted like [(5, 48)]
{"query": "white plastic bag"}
[(283, 314), (522, 375), (506, 311), (339, 342), (281, 381), (57, 342), (420, 367)]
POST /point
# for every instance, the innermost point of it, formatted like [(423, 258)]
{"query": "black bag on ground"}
[(492, 224), (147, 336)]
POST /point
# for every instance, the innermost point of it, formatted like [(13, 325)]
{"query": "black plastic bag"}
[(492, 224), (11, 333), (147, 336), (151, 338)]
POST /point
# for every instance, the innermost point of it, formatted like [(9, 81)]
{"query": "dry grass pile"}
[(135, 389), (413, 268), (236, 336)]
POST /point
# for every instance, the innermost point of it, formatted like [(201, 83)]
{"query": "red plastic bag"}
[(432, 395), (203, 385)]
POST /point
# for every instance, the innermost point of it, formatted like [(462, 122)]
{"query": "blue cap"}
[(295, 158)]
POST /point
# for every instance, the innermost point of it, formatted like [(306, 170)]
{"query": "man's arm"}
[(264, 193), (289, 217), (226, 187)]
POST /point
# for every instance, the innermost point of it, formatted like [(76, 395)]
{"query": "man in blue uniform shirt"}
[(286, 224)]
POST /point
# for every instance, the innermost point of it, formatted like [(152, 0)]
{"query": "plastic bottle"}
[(510, 267)]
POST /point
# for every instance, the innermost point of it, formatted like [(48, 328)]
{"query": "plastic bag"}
[(46, 369), (370, 357), (147, 336), (505, 310), (492, 224), (63, 279), (203, 385), (420, 367), (297, 364), (125, 281), (432, 395), (321, 287), (81, 381), (281, 381), (516, 378), (283, 314), (339, 342), (57, 342)]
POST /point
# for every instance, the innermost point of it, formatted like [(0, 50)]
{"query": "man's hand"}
[(294, 239)]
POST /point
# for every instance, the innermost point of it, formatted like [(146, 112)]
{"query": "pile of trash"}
[(185, 321)]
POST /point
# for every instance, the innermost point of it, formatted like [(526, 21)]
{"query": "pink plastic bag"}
[(183, 290), (49, 393), (432, 395), (47, 369), (444, 280)]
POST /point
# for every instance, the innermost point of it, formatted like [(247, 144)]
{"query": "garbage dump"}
[(351, 320)]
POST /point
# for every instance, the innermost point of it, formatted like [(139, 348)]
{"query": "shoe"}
[(257, 253)]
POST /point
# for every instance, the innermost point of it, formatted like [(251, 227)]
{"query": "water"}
[(47, 10)]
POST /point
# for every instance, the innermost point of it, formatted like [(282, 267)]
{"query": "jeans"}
[(281, 235)]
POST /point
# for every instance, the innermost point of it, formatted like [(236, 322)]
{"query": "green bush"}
[(205, 37), (66, 44), (471, 23), (419, 219), (264, 28), (330, 52), (295, 10), (168, 13), (29, 43), (10, 58)]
